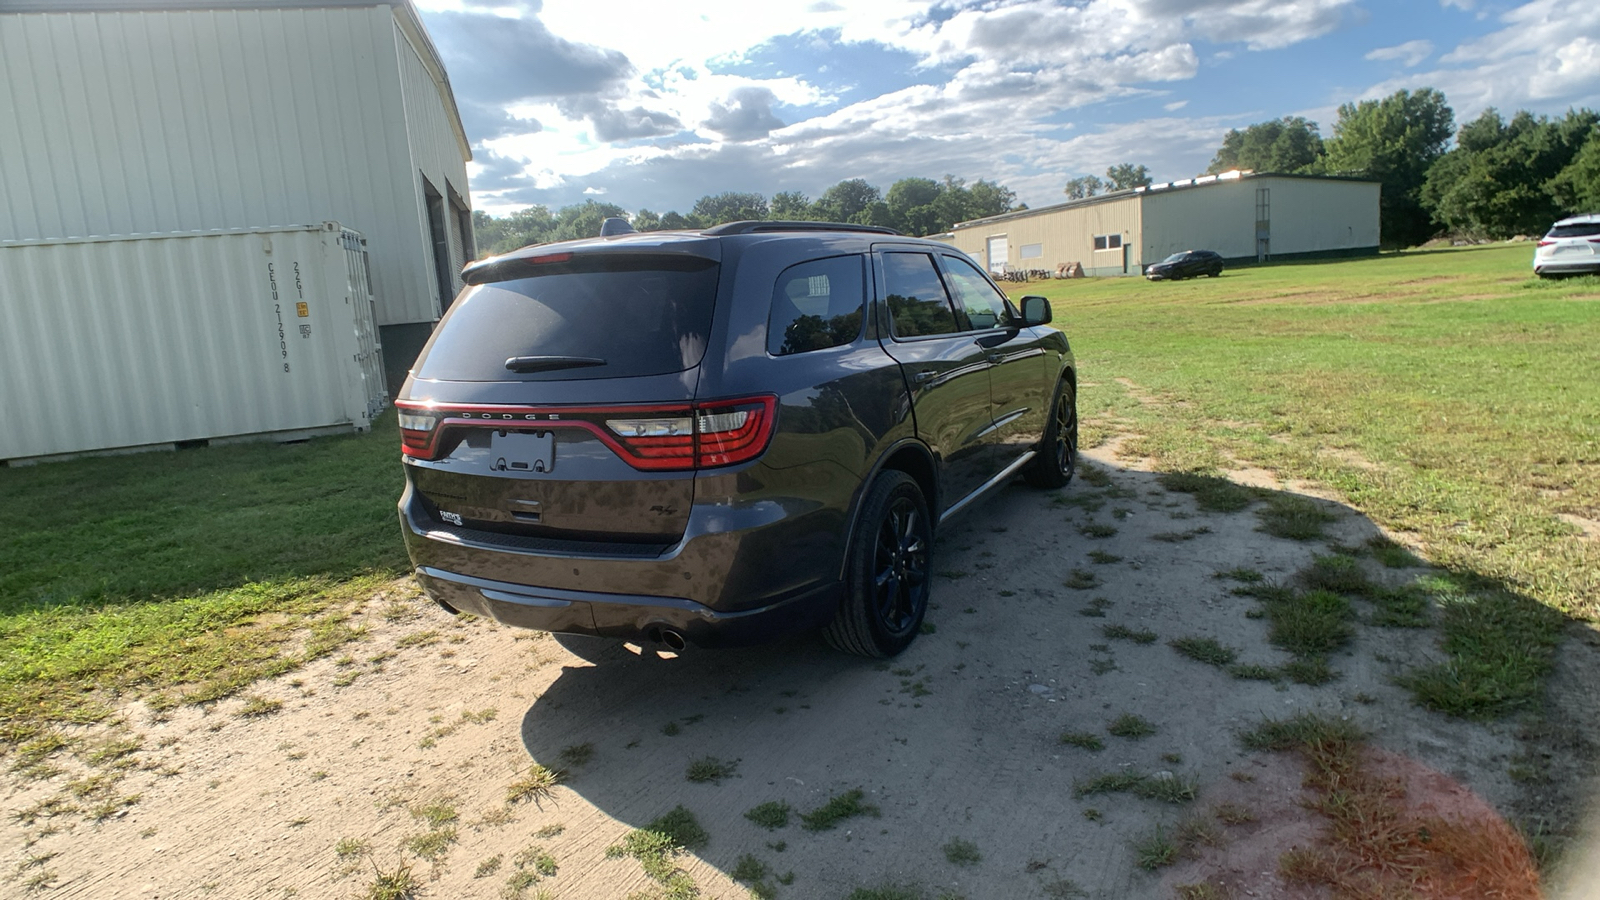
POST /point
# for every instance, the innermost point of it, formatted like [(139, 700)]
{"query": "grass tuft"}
[(1166, 787), (1082, 580), (1294, 518), (771, 815), (1124, 633), (710, 768), (1498, 649), (1086, 740), (962, 852), (1204, 649), (1129, 725), (1211, 492), (845, 806), (535, 785), (1155, 850)]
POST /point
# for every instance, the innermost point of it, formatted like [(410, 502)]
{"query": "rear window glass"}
[(917, 301), (647, 315), (1587, 229), (816, 305)]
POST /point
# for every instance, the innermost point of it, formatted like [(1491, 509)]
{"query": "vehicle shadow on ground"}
[(959, 738)]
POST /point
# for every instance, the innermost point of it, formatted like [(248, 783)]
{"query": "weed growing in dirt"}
[(1086, 740), (753, 874), (1499, 648), (537, 859), (1254, 672), (488, 866), (657, 845), (1175, 537), (1100, 557), (1082, 580), (1232, 814), (1315, 622), (1093, 476), (256, 707), (433, 844), (710, 768), (1096, 608), (535, 785), (1204, 649), (1097, 530), (1166, 787), (399, 884), (577, 755), (1124, 633), (1155, 850), (837, 809), (1129, 725), (350, 848), (962, 852), (1063, 889), (1340, 574), (1390, 554), (1402, 607), (772, 815), (1302, 729), (1202, 890), (1241, 575), (1294, 518), (1211, 492)]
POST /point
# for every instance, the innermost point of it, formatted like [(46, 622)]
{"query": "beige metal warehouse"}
[(1245, 216), (134, 117)]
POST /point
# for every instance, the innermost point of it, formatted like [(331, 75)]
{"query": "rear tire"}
[(887, 574), (1057, 457)]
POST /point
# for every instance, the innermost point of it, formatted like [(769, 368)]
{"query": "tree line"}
[(1501, 178), (918, 206)]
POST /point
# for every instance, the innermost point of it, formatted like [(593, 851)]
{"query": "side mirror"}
[(1035, 311)]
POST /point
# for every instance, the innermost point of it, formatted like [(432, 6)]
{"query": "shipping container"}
[(156, 340)]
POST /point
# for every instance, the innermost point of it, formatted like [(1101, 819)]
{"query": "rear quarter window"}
[(642, 315), (816, 305)]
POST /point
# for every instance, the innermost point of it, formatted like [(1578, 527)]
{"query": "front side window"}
[(917, 301), (984, 306), (816, 305)]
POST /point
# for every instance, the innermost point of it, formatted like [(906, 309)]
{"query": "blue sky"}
[(651, 105)]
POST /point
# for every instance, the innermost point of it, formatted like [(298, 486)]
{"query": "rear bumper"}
[(1562, 266), (742, 573), (628, 616)]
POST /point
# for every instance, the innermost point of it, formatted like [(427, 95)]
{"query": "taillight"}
[(416, 431), (1546, 243), (665, 437)]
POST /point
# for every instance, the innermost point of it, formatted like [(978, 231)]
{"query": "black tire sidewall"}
[(886, 490)]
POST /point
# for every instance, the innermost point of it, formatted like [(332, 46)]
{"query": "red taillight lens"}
[(1546, 243), (677, 437), (417, 432)]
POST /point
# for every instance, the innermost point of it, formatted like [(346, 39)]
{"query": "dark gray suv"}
[(721, 437)]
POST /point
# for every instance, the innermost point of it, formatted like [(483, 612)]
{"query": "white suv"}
[(1571, 248)]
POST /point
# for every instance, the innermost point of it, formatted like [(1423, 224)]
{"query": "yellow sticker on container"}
[(302, 310)]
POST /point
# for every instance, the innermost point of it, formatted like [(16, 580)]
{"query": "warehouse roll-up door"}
[(999, 253)]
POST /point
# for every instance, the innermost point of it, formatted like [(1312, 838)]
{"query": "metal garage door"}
[(998, 254)]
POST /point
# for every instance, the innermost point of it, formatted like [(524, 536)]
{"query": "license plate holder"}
[(526, 452)]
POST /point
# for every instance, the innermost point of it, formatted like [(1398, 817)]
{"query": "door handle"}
[(994, 357), (924, 376)]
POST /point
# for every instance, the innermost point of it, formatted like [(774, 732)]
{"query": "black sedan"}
[(1188, 264)]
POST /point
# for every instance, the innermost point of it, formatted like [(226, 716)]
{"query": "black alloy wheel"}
[(888, 577), (1057, 458)]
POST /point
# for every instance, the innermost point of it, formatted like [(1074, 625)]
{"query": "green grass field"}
[(1445, 393), (200, 570)]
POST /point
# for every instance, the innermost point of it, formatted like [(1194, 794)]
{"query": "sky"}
[(651, 105)]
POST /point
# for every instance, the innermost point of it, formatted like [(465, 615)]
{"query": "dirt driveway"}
[(403, 751)]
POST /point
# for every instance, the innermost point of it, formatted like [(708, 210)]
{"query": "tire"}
[(1058, 450), (888, 572), (1213, 273)]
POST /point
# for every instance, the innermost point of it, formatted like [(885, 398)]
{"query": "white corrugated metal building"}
[(141, 117), (1245, 216)]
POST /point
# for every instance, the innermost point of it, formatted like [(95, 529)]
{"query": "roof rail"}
[(751, 227)]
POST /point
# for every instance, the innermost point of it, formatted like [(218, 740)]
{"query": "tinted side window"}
[(917, 301), (816, 305), (984, 306)]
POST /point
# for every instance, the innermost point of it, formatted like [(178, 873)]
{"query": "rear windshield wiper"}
[(548, 363)]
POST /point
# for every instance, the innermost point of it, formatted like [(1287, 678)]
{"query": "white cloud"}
[(1175, 105), (1411, 52), (1546, 56)]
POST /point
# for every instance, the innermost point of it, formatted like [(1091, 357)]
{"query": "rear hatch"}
[(553, 407)]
